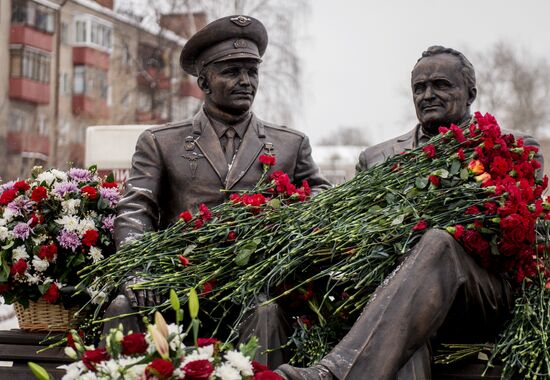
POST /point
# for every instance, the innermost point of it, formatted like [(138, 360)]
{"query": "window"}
[(30, 63), (91, 82), (33, 14), (79, 79), (64, 84), (17, 121), (90, 31), (42, 125), (64, 33)]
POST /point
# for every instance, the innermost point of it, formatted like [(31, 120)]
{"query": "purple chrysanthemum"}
[(108, 223), (64, 188), (19, 205), (22, 231), (80, 175), (68, 239), (111, 194), (7, 186)]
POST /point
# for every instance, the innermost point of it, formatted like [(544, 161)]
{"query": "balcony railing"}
[(29, 90)]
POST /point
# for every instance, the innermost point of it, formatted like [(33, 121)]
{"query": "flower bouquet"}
[(51, 226), (477, 183), (161, 354)]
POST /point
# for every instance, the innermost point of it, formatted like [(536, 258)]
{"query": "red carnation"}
[(39, 193), (89, 191), (472, 210), (420, 226), (207, 287), (21, 186), (458, 133), (459, 231), (235, 198), (70, 341), (47, 252), (186, 215), (7, 196), (52, 294), (434, 180), (267, 375), (204, 212), (199, 223), (429, 150), (231, 235), (19, 267), (134, 344), (258, 367), (203, 342), (198, 370), (268, 159), (109, 185), (90, 238), (460, 154), (161, 369), (93, 357), (474, 242), (183, 260)]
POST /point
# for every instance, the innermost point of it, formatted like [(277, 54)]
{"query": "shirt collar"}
[(221, 128)]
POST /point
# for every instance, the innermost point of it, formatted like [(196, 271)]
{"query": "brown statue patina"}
[(180, 165), (438, 291)]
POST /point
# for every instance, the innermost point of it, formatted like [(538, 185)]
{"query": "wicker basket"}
[(43, 316)]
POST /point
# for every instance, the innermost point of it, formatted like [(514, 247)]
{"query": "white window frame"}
[(102, 33)]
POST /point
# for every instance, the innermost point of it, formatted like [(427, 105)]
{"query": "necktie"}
[(230, 145)]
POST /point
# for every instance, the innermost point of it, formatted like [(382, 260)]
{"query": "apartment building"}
[(69, 64)]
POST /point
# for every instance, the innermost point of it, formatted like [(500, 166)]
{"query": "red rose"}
[(52, 294), (186, 216), (231, 235), (90, 238), (109, 185), (267, 375), (39, 193), (420, 226), (21, 186), (92, 357), (429, 150), (268, 159), (198, 370), (434, 180), (183, 260), (7, 196), (204, 212), (203, 342), (258, 367), (47, 252), (19, 267), (134, 344), (89, 191), (160, 368)]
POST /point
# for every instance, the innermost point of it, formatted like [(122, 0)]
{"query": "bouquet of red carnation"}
[(51, 226)]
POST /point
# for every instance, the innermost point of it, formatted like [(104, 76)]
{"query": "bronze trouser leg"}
[(120, 306), (269, 325), (411, 305)]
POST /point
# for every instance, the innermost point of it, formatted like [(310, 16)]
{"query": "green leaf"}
[(421, 182), (249, 349), (174, 300), (464, 174), (39, 372), (195, 323), (193, 303), (398, 220), (455, 167), (189, 249), (442, 173), (110, 177), (374, 209), (245, 252), (390, 198), (93, 168), (9, 245)]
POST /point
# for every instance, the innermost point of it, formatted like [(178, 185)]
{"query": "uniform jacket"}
[(177, 166), (379, 153)]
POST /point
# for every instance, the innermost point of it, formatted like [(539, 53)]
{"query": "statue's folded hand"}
[(139, 297)]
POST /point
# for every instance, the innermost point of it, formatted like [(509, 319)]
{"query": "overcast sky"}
[(358, 54)]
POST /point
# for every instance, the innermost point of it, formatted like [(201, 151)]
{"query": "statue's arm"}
[(138, 211), (362, 164), (531, 141), (307, 169)]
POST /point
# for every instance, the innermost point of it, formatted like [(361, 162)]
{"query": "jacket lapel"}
[(406, 141), (209, 144), (251, 145)]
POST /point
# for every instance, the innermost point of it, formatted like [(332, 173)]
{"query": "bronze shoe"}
[(316, 372)]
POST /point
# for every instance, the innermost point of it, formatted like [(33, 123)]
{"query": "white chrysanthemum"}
[(203, 353), (62, 176), (179, 335), (39, 264), (3, 222), (239, 361), (71, 223), (4, 233), (70, 206), (95, 254), (47, 177), (73, 371), (33, 279), (19, 253), (227, 372), (9, 214), (90, 376), (85, 225), (39, 239), (113, 369)]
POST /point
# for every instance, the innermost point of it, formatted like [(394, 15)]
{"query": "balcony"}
[(189, 88), (152, 78), (83, 55), (27, 35), (29, 90), (86, 106), (27, 142)]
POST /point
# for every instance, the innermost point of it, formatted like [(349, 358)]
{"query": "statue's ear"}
[(472, 94), (203, 83)]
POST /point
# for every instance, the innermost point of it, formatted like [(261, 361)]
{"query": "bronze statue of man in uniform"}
[(180, 165), (438, 288)]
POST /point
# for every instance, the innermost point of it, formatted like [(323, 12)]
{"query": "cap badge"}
[(241, 20), (240, 44)]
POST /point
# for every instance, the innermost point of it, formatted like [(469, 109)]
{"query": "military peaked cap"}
[(227, 38)]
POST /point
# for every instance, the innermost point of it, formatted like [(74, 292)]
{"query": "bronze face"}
[(230, 86), (440, 94)]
